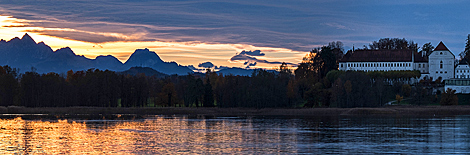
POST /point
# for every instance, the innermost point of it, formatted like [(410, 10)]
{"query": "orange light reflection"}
[(156, 135)]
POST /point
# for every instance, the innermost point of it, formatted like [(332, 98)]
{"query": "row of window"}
[(419, 65), (463, 76), (461, 71), (440, 72), (380, 70), (458, 82), (379, 65)]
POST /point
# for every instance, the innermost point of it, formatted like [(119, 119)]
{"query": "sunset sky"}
[(193, 32)]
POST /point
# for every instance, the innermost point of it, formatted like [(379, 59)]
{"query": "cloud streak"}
[(206, 65), (251, 60), (337, 26)]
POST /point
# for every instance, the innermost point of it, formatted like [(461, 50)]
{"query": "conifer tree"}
[(467, 48)]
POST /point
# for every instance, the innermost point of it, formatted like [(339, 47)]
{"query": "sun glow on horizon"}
[(184, 53)]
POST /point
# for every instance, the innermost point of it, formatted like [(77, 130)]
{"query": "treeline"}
[(262, 89), (110, 89)]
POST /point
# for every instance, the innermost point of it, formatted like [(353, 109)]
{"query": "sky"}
[(229, 33)]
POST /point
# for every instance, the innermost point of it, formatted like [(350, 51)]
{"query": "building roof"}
[(382, 56), (463, 62), (441, 47)]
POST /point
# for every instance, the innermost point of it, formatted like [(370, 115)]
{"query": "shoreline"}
[(382, 111)]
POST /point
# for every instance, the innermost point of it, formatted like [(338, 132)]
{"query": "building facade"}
[(462, 71), (379, 60), (439, 64), (461, 85)]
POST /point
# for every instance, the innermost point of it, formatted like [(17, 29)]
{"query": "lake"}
[(132, 134)]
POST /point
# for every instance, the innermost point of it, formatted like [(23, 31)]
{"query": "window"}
[(445, 72), (341, 65), (442, 65), (441, 53), (437, 72), (419, 66)]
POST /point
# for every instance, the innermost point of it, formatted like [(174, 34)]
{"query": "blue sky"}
[(192, 32)]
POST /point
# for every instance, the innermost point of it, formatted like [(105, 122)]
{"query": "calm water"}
[(127, 134)]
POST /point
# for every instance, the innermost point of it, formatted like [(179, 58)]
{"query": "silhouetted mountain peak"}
[(144, 70), (107, 58), (144, 57), (27, 39), (14, 40), (65, 51)]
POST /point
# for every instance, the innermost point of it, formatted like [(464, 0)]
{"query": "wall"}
[(446, 71)]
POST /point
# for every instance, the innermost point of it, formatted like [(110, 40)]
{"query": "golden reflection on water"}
[(147, 136)]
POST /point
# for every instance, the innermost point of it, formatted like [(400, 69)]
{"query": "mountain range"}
[(27, 55)]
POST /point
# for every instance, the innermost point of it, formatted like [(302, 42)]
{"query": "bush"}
[(449, 98)]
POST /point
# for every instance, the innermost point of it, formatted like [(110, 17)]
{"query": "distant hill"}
[(144, 70), (147, 58), (26, 54), (236, 71)]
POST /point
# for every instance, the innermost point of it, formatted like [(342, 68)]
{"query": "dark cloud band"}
[(252, 60)]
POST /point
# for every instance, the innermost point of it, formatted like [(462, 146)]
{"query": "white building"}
[(459, 85), (439, 64), (462, 70), (383, 60)]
